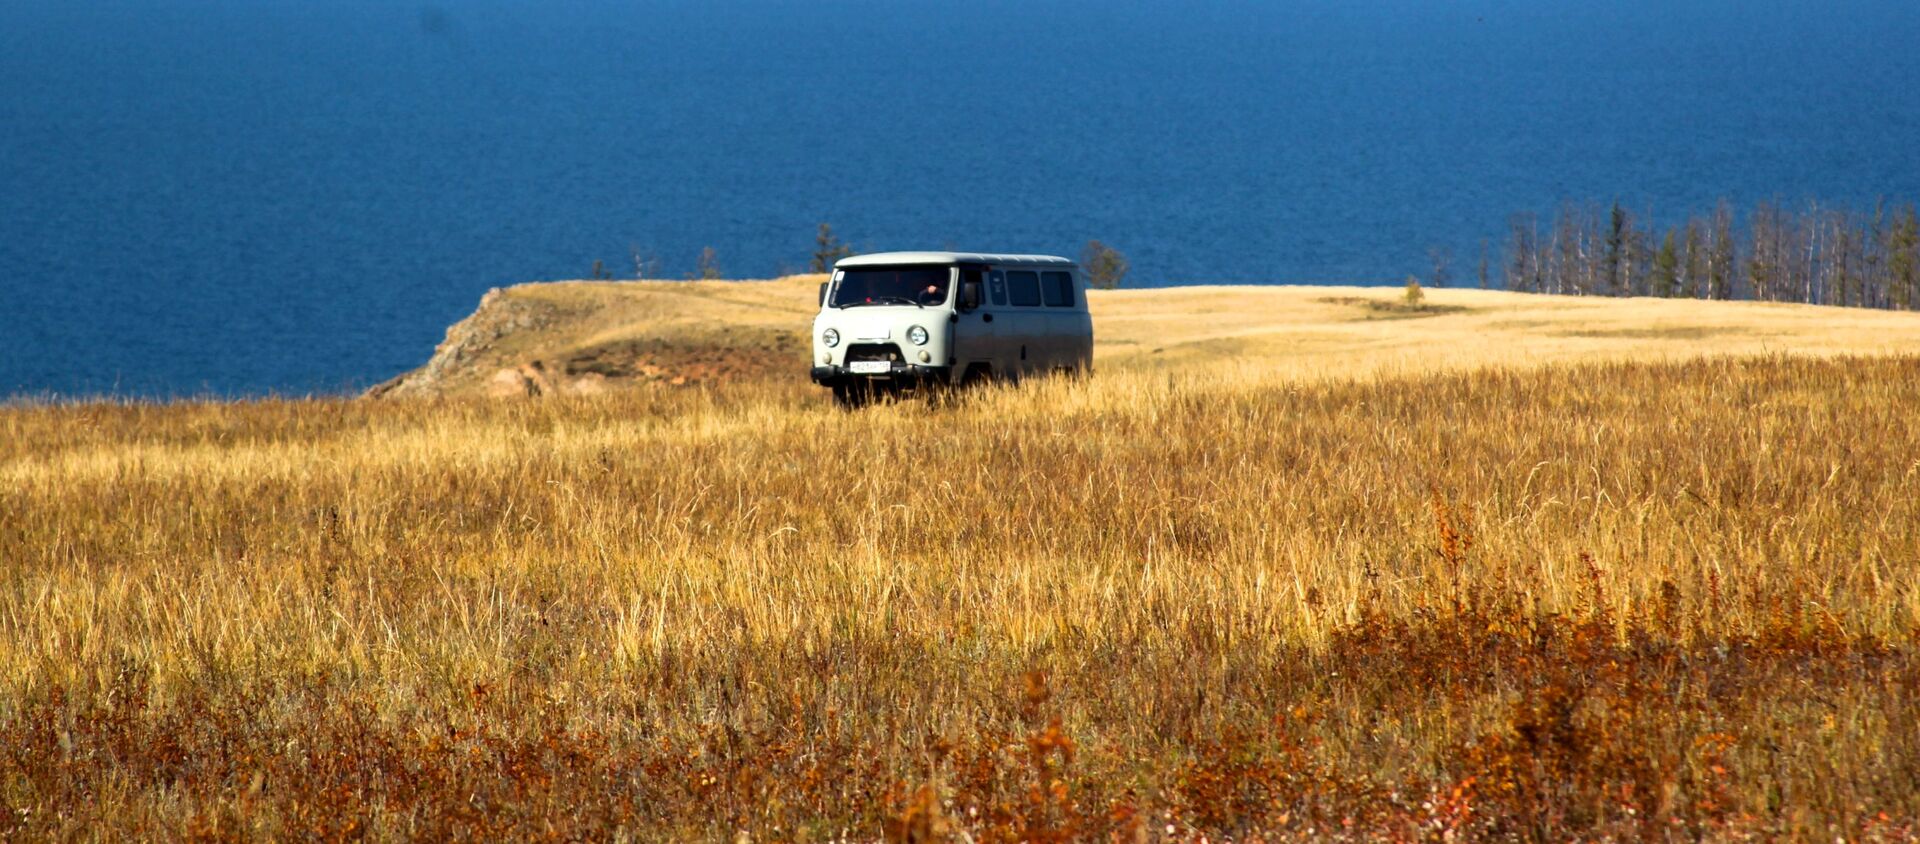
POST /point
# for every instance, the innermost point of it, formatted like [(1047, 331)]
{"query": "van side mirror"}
[(969, 295), (823, 294)]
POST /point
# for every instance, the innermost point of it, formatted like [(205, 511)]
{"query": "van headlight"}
[(918, 335), (830, 337)]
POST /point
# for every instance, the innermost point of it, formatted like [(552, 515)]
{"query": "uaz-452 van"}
[(895, 320)]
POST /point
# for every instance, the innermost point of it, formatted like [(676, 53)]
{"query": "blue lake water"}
[(237, 198)]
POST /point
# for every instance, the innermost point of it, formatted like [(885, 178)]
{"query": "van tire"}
[(978, 374)]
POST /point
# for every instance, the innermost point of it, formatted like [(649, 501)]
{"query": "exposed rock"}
[(509, 383), (525, 380), (500, 315), (583, 338), (590, 384)]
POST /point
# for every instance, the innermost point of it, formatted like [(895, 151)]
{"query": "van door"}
[(1009, 325), (1026, 324), (1063, 321), (976, 333)]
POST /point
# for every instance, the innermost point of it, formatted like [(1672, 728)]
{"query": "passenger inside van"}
[(914, 285)]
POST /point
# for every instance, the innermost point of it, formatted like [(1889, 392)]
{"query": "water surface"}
[(215, 196)]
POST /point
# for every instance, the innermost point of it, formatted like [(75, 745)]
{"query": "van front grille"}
[(874, 351)]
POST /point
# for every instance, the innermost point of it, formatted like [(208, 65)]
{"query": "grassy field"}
[(1294, 564), (721, 333)]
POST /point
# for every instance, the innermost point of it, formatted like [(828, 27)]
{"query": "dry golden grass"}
[(719, 331), (1390, 592), (1344, 332)]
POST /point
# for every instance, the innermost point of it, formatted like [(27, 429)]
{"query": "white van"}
[(902, 319)]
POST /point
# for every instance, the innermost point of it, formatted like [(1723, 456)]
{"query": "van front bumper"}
[(899, 372)]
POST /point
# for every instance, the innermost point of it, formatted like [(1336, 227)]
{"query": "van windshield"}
[(914, 285)]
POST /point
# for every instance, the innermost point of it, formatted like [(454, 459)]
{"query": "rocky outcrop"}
[(471, 342), (565, 338)]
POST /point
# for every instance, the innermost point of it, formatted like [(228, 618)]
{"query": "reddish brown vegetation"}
[(1613, 728), (1627, 602)]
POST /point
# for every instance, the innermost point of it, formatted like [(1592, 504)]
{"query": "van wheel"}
[(977, 375)]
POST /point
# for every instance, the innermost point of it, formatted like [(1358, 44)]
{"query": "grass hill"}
[(588, 336), (1295, 563)]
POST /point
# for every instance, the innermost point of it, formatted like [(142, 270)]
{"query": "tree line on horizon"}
[(1817, 255)]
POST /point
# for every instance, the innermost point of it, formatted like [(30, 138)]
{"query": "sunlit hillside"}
[(575, 336), (1295, 563)]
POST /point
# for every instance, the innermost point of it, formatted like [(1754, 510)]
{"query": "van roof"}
[(885, 258)]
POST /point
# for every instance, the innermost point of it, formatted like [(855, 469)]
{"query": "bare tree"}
[(1693, 262), (1814, 254), (1903, 260), (1840, 278), (1442, 260), (1569, 235), (644, 263), (1522, 264), (1812, 229)]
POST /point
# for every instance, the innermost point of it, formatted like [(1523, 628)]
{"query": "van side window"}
[(972, 292), (1024, 287), (997, 287), (1059, 289)]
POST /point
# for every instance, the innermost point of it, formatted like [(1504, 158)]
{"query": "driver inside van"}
[(912, 285)]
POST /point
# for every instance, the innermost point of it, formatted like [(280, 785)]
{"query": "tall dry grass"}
[(1628, 600)]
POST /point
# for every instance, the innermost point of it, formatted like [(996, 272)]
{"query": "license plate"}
[(870, 367)]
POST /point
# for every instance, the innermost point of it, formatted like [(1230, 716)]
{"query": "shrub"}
[(1104, 265), (827, 249), (709, 266)]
